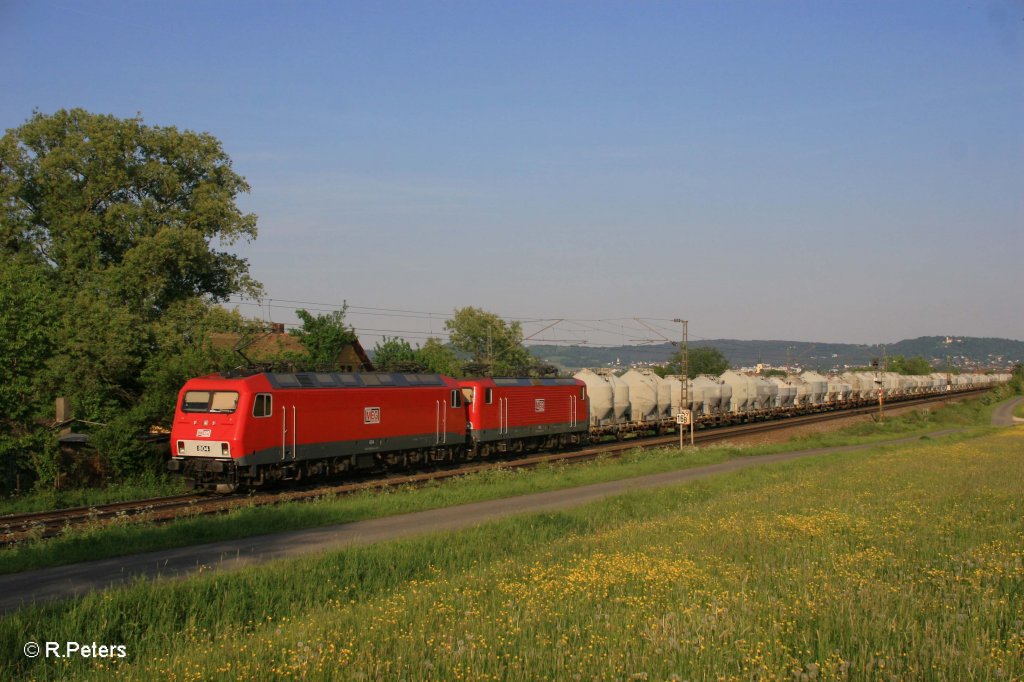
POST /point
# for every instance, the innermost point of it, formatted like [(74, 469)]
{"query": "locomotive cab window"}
[(456, 399), (488, 396), (468, 393), (263, 405), (210, 401), (583, 392)]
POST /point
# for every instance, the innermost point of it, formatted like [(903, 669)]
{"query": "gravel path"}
[(67, 581), (1003, 415)]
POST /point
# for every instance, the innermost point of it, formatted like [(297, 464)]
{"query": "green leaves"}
[(397, 355), (324, 337), (493, 344), (89, 193), (901, 365), (702, 360), (110, 242)]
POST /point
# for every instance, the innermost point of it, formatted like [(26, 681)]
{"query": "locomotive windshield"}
[(210, 401)]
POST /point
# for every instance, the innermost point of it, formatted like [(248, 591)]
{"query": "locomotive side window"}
[(263, 406), (489, 396), (456, 399), (210, 401), (467, 393), (583, 392)]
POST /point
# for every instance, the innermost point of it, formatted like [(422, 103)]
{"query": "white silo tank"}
[(643, 395)]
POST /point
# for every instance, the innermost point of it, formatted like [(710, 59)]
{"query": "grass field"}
[(900, 563), (95, 542), (45, 500)]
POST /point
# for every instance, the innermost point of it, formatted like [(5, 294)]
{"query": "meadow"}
[(101, 541), (891, 563)]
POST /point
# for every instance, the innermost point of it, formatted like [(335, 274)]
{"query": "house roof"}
[(274, 344)]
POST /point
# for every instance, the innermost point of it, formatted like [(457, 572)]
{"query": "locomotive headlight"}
[(225, 450), (181, 447)]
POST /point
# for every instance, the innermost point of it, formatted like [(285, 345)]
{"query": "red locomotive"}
[(247, 431), (525, 414)]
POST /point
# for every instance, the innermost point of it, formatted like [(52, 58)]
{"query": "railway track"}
[(18, 527)]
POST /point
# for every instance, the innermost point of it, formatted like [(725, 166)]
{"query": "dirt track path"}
[(1003, 415), (67, 581)]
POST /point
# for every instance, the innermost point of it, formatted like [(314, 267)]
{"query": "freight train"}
[(248, 431)]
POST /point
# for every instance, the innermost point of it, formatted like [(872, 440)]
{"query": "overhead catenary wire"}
[(593, 333)]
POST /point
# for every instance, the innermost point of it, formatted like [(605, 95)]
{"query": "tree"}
[(494, 345), (438, 358), (1017, 378), (109, 229), (27, 316), (395, 355), (324, 337), (131, 209), (916, 365), (702, 360)]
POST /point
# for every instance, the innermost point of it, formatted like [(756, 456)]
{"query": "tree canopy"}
[(493, 345), (438, 358), (702, 360), (324, 337), (916, 365), (111, 238), (397, 355)]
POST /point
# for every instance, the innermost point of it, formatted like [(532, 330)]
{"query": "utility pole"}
[(684, 396), (881, 386), (490, 355)]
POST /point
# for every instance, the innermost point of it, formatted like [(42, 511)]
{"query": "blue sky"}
[(815, 171)]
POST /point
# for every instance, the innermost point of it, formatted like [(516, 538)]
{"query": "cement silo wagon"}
[(839, 390), (786, 397), (766, 393), (863, 384), (818, 386), (711, 394), (744, 394), (643, 395)]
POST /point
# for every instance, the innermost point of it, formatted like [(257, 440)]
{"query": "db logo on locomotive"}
[(371, 415)]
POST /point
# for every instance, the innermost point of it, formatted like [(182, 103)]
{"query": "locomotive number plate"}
[(204, 448)]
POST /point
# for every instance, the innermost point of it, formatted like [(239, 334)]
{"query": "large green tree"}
[(397, 355), (324, 337), (702, 360), (112, 240), (438, 358), (902, 365), (494, 345)]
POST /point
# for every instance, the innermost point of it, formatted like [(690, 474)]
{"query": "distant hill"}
[(963, 352)]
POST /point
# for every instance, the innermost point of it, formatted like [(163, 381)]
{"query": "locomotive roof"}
[(351, 379), (526, 381), (387, 379)]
